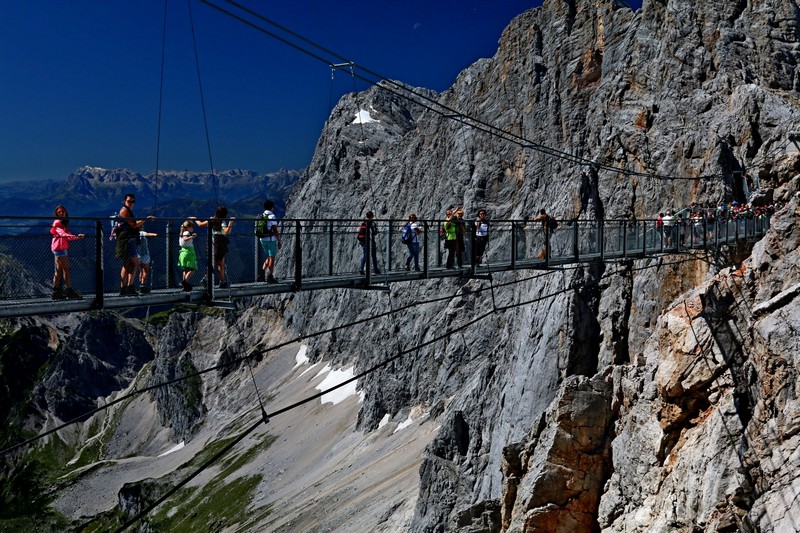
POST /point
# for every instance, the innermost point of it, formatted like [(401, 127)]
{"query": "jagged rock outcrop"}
[(680, 89)]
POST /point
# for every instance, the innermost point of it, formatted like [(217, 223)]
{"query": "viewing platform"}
[(324, 254)]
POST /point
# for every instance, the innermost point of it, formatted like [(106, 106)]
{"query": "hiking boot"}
[(377, 271), (58, 294), (408, 267), (131, 291), (145, 290), (260, 276), (271, 279), (417, 269), (186, 286), (72, 294), (222, 285), (361, 272)]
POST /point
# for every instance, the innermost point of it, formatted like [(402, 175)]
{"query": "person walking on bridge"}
[(270, 239), (410, 237), (366, 238), (60, 246)]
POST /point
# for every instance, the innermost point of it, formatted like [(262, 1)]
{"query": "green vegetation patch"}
[(214, 507)]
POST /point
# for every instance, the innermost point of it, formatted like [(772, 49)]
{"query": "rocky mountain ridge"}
[(92, 191)]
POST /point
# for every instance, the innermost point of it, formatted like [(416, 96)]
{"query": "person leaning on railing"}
[(60, 247), (128, 245)]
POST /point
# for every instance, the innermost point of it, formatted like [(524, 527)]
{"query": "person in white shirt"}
[(481, 236), (270, 242), (187, 259)]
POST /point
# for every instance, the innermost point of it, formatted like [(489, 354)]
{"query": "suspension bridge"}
[(325, 254)]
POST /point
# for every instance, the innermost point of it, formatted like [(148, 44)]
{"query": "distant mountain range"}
[(92, 191)]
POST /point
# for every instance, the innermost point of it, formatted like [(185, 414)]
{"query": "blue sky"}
[(81, 80)]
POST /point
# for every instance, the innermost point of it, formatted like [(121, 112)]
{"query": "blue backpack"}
[(407, 235)]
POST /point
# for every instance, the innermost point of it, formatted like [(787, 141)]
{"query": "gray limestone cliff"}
[(679, 89)]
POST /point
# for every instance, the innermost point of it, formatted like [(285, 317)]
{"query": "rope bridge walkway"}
[(323, 254)]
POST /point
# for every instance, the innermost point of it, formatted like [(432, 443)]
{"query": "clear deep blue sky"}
[(80, 80)]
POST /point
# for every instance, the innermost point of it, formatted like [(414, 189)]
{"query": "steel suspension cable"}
[(160, 107), (440, 109), (299, 338), (203, 103)]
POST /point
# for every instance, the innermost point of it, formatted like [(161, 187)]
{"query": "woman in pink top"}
[(59, 247)]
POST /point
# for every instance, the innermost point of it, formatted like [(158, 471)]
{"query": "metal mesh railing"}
[(330, 249)]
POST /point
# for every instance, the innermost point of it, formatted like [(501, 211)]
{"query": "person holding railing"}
[(144, 261), (221, 227), (60, 246), (187, 258), (548, 226), (128, 245)]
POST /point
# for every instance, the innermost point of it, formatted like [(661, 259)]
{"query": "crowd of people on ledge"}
[(132, 248)]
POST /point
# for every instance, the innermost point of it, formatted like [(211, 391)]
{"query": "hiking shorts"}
[(270, 247), (127, 248), (187, 259)]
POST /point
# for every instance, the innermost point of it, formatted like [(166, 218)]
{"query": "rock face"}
[(647, 395), (676, 90)]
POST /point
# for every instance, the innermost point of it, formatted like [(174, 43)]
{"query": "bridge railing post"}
[(513, 245), (99, 292), (298, 256), (210, 270), (624, 239), (425, 234), (644, 237), (575, 237), (330, 248), (472, 258), (168, 253), (601, 238), (388, 247)]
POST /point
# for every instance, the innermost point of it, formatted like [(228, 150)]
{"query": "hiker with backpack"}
[(450, 244), (410, 237), (549, 225), (366, 238), (270, 239)]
